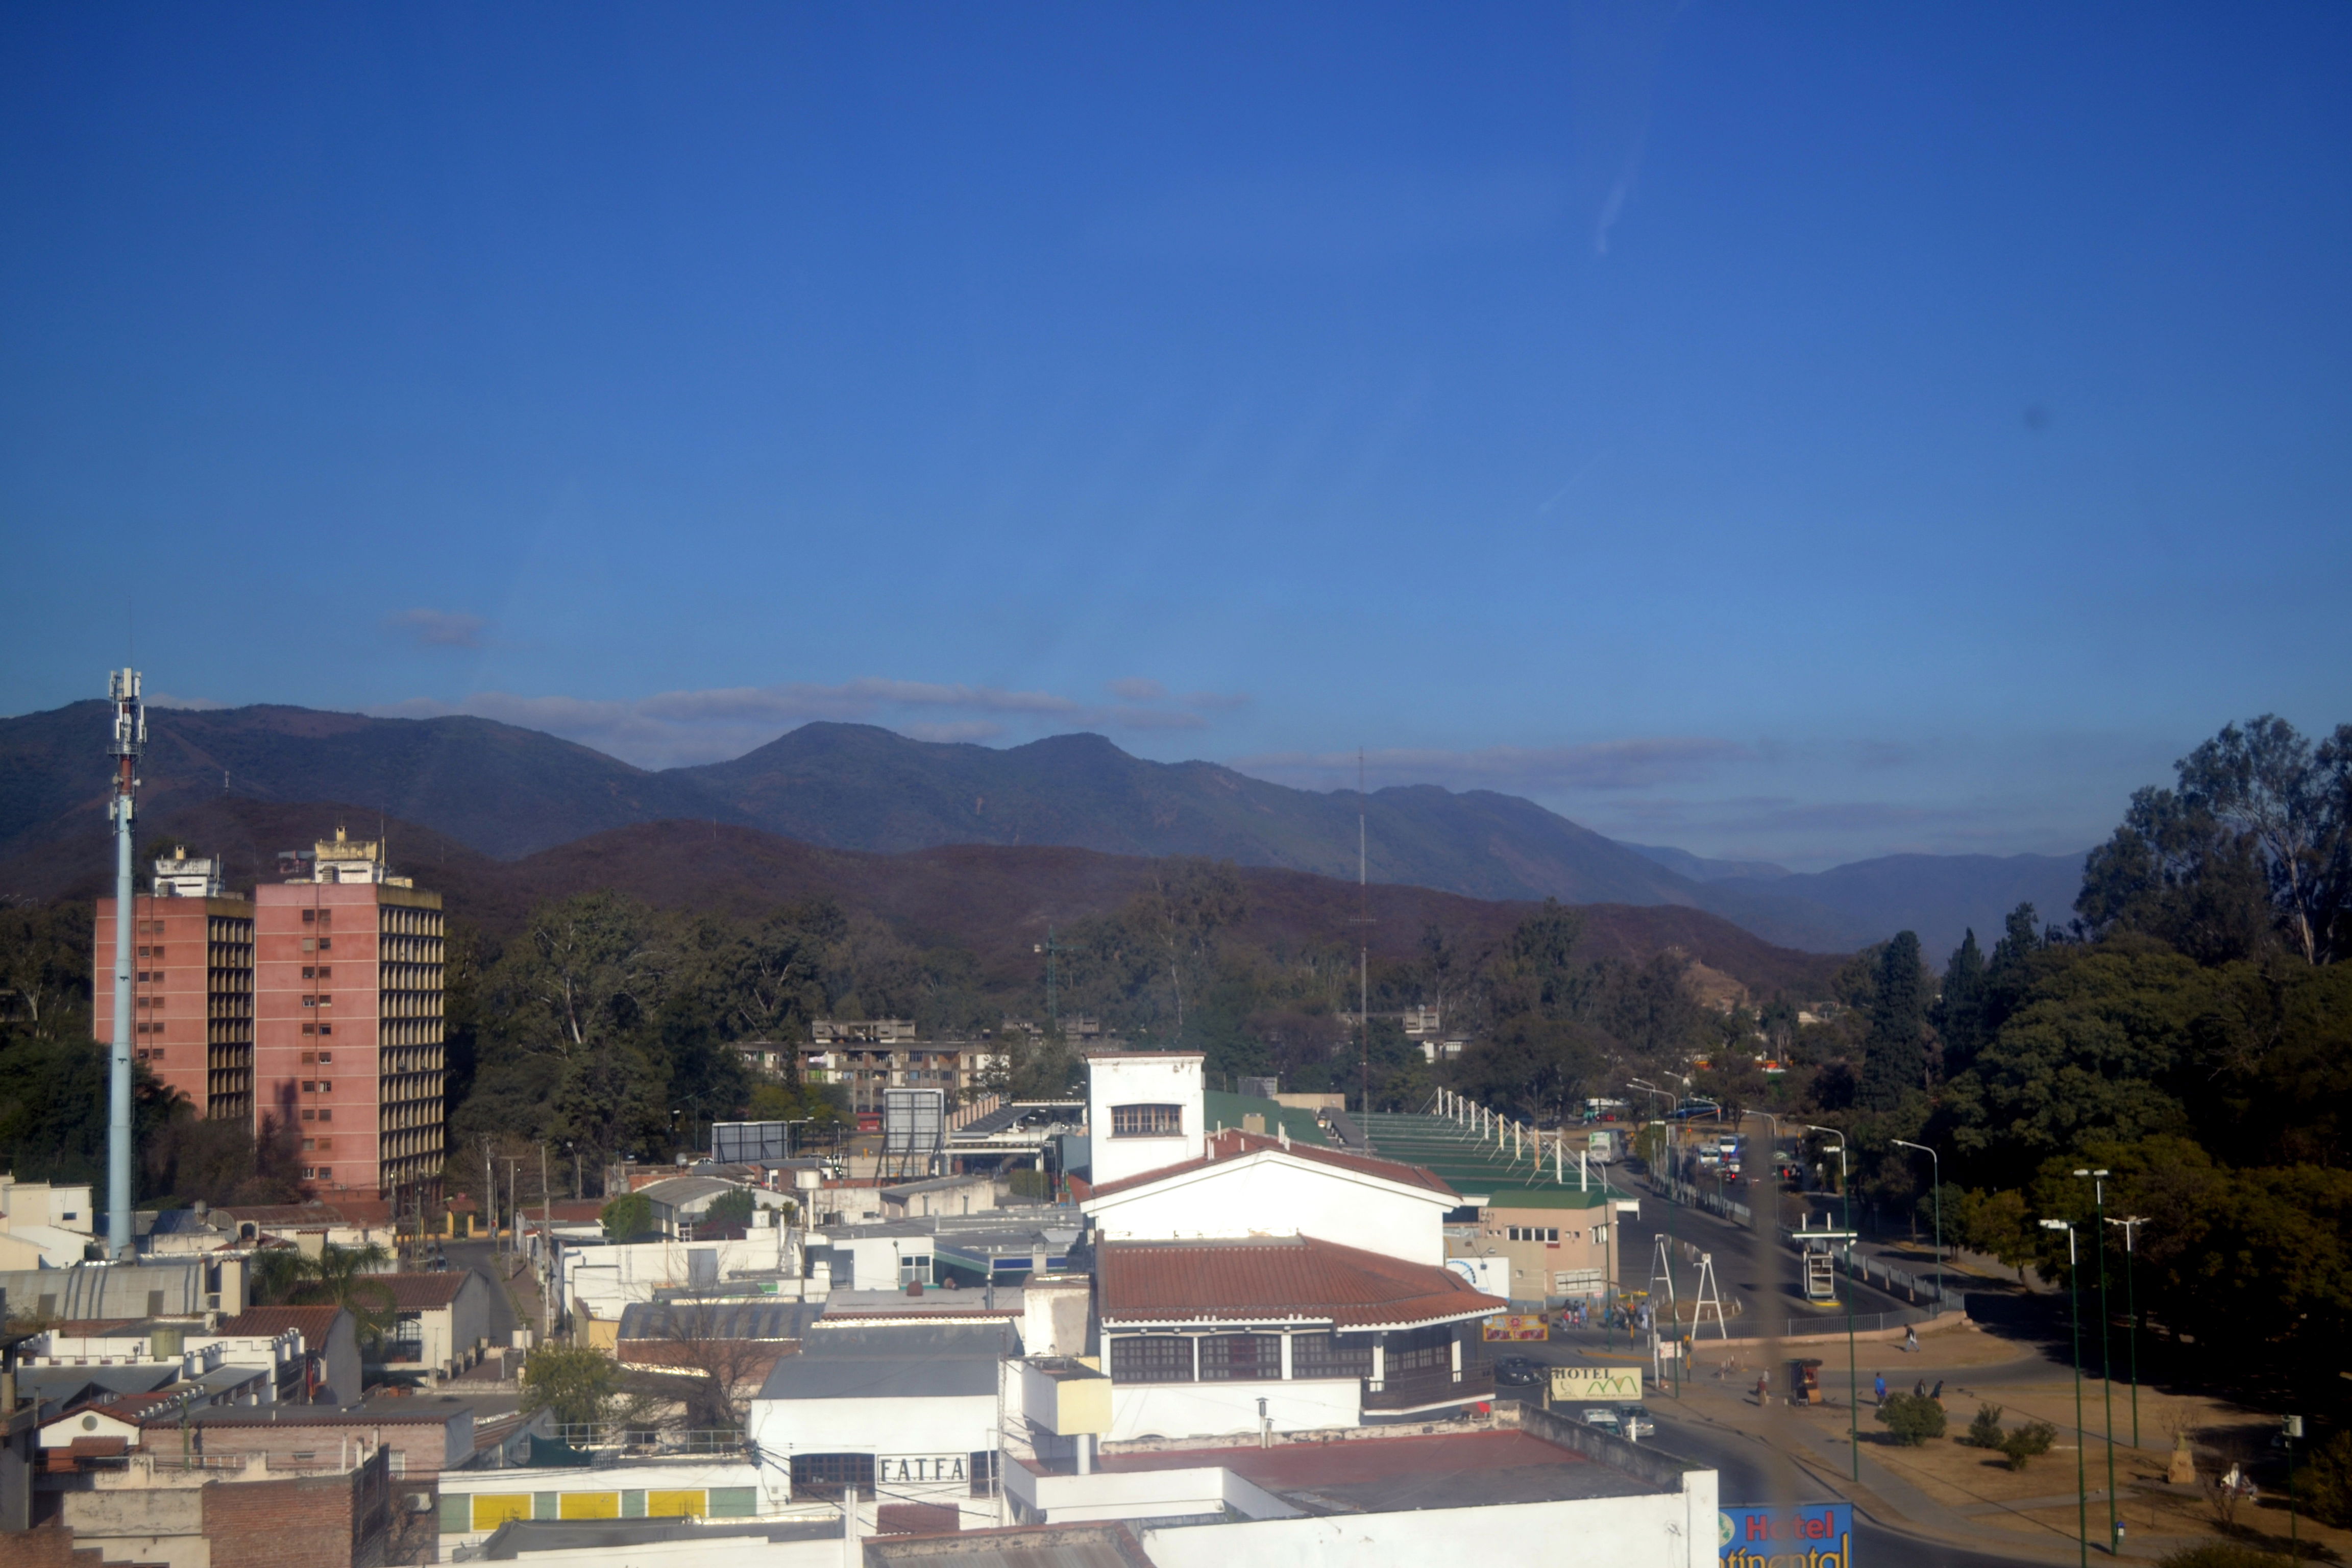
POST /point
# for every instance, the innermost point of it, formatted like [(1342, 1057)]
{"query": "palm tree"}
[(339, 1276)]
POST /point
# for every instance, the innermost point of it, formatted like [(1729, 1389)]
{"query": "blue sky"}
[(1805, 432)]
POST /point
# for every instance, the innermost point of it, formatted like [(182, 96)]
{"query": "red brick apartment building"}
[(326, 989), (191, 986)]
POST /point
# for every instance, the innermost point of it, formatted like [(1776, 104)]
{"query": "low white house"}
[(902, 1411), (441, 1323), (600, 1278)]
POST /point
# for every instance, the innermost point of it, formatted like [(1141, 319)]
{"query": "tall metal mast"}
[(1363, 938), (130, 740)]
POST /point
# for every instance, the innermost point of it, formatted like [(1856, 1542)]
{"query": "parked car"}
[(1601, 1415), (1636, 1421), (1518, 1372)]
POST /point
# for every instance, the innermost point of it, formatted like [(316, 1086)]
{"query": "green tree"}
[(578, 1384), (730, 1210), (1959, 1011), (1895, 1059), (627, 1217)]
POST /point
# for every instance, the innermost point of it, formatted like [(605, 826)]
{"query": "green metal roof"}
[(1482, 1168), (1227, 1110)]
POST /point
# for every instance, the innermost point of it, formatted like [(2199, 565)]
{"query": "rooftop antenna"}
[(130, 740)]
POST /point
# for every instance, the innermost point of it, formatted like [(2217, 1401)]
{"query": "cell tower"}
[(130, 740)]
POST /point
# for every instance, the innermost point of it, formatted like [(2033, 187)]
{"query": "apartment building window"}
[(1151, 1358), (1146, 1120), (1549, 1233)]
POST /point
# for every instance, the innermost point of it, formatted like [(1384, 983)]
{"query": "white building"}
[(1247, 1185), (600, 1278), (1144, 1112)]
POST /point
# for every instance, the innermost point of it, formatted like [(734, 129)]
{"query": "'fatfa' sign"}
[(901, 1470)]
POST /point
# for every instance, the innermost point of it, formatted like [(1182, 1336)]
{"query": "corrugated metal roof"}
[(1301, 1279), (899, 1361), (758, 1320)]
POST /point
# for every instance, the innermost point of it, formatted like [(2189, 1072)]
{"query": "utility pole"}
[(546, 1250), (490, 1195), (1049, 947), (130, 740)]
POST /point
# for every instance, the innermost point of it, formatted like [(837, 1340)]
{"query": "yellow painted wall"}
[(492, 1509), (588, 1505), (675, 1505)]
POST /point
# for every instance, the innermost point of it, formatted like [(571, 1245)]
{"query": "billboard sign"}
[(748, 1142), (914, 1120), (1810, 1536), (1596, 1385), (1509, 1326)]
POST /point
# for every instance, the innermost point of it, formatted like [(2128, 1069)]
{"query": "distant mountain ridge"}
[(508, 792)]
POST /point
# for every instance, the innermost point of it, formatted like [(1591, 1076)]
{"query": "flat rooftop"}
[(1390, 1475)]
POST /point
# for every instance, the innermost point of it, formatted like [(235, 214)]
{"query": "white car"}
[(1636, 1422), (1601, 1415)]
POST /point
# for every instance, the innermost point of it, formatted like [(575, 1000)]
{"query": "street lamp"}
[(1938, 1168), (2081, 1479), (1852, 1375), (2131, 1224), (2098, 1180)]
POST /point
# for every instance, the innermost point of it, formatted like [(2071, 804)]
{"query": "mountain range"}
[(505, 793)]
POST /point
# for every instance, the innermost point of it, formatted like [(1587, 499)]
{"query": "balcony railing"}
[(1415, 1390)]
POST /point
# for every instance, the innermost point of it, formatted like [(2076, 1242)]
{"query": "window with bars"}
[(1331, 1355), (1534, 1233), (1151, 1358), (1241, 1358), (829, 1475), (1146, 1120), (1420, 1350), (984, 1473)]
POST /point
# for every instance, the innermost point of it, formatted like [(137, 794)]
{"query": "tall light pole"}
[(1853, 1374), (2131, 1224), (2098, 1180), (1938, 1168), (2082, 1476)]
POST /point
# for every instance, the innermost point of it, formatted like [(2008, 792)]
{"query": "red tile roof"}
[(1233, 1143), (315, 1324), (421, 1292), (1270, 1282)]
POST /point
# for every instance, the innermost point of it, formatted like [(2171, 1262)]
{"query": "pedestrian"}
[(1938, 1395), (1763, 1390), (1910, 1339), (1919, 1389), (1878, 1385)]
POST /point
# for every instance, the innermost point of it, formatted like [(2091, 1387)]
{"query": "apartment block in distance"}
[(348, 1022), (191, 985)]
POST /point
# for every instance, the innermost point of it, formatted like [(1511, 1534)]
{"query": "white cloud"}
[(1137, 688), (190, 704), (439, 628), (1639, 764)]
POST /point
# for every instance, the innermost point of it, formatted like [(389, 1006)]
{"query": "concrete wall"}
[(1676, 1531), (1217, 1409), (601, 1279), (1170, 1078), (1269, 1194), (1137, 1494)]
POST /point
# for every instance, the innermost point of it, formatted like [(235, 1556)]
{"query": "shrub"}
[(1985, 1432), (1911, 1419), (730, 1210), (2029, 1442), (2325, 1486), (2222, 1554)]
